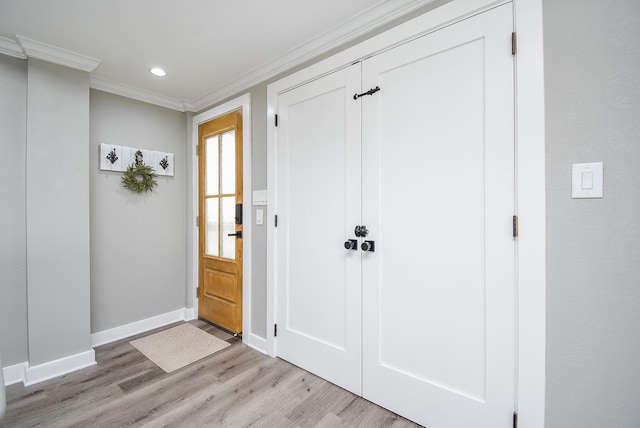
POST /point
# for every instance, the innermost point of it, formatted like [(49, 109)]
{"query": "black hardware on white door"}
[(369, 92), (351, 244), (361, 231), (238, 234), (368, 246)]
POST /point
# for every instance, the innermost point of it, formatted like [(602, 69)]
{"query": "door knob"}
[(238, 234), (351, 244), (368, 246)]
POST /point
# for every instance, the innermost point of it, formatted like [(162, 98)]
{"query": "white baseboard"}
[(137, 327), (14, 374), (258, 343), (190, 314), (29, 375), (59, 367)]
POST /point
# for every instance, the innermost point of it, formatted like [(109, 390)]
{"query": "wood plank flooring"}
[(235, 387)]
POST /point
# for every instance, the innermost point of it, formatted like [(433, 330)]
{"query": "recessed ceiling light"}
[(157, 71)]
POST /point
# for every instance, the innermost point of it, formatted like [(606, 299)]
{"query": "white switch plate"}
[(259, 217), (259, 197), (587, 180)]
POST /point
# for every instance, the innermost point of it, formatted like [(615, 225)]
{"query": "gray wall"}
[(259, 233), (136, 251), (13, 253), (191, 214), (592, 74), (138, 261), (57, 202)]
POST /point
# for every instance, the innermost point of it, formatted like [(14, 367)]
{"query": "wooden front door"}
[(220, 221)]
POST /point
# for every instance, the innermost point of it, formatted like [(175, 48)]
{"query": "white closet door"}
[(318, 205), (438, 200)]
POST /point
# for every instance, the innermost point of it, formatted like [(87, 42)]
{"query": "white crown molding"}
[(357, 26), (11, 48), (370, 19), (137, 94), (39, 50)]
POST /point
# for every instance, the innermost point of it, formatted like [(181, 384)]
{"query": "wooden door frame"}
[(242, 102), (530, 178)]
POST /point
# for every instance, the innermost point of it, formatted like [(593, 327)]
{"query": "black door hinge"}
[(275, 330), (515, 226), (276, 220), (276, 120), (515, 419), (514, 43)]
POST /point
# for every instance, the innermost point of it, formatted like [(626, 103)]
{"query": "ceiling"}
[(210, 49)]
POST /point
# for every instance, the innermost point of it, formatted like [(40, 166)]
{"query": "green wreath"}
[(139, 178)]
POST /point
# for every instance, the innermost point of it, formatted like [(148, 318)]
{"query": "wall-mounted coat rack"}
[(118, 158)]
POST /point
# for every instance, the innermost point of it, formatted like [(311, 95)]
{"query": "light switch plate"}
[(587, 180), (259, 197)]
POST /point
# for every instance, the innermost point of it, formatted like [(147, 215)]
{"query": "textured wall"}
[(592, 77), (13, 253), (138, 241)]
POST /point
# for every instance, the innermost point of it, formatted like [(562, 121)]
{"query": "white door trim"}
[(531, 196), (530, 181), (243, 102)]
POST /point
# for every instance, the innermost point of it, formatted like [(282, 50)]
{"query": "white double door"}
[(424, 324)]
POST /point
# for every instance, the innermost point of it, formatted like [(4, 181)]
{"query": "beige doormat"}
[(178, 346)]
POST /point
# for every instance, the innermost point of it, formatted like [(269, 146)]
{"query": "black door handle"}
[(351, 244), (238, 234), (368, 246)]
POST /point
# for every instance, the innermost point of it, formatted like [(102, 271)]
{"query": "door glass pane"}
[(228, 213), (211, 225), (211, 179), (228, 162)]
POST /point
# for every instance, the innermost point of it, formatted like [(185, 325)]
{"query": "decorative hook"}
[(112, 157), (164, 163)]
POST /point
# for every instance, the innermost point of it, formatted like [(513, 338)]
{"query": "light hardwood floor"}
[(236, 387)]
